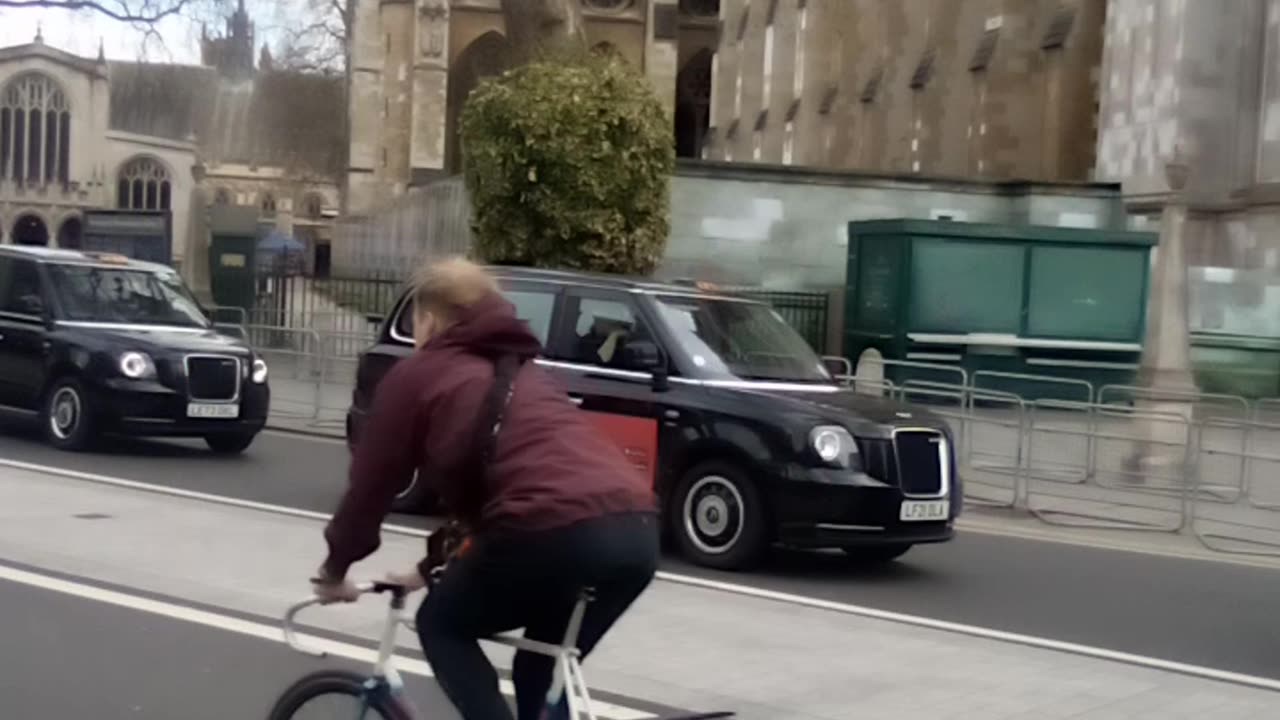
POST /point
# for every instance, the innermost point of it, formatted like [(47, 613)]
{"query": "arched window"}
[(35, 130), (267, 204), (143, 184)]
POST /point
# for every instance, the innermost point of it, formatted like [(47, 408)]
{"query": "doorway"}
[(69, 235), (30, 230)]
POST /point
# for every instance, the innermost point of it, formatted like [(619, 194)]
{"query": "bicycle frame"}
[(567, 680)]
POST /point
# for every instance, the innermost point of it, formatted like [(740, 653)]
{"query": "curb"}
[(303, 432)]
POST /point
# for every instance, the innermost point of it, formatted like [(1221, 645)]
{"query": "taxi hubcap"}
[(66, 413), (713, 514)]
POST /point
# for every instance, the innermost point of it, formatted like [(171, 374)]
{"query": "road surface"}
[(1206, 613)]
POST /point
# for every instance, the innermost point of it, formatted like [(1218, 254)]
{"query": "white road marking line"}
[(192, 494), (240, 626), (744, 590), (981, 632)]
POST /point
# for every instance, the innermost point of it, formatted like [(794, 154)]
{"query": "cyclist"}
[(552, 505)]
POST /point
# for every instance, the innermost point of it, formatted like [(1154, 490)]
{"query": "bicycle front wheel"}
[(335, 694)]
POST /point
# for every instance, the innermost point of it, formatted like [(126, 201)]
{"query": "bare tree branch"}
[(147, 12)]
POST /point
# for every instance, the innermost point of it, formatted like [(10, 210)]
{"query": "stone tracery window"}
[(35, 130), (313, 206), (144, 183)]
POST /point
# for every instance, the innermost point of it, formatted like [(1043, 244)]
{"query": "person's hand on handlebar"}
[(332, 590)]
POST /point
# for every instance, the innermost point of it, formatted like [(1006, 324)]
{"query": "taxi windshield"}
[(738, 339), (126, 296)]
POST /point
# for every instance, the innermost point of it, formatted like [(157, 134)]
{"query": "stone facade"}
[(414, 62), (1202, 79), (167, 137), (981, 88)]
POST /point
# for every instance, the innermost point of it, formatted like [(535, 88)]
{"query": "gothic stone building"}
[(981, 88), (415, 61), (80, 134)]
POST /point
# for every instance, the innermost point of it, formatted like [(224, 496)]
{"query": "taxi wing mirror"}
[(646, 356)]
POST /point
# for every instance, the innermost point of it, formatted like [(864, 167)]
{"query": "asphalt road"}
[(67, 656), (1218, 615), (70, 657)]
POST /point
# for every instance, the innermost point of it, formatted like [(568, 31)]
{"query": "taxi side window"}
[(535, 307), (599, 331), (20, 288)]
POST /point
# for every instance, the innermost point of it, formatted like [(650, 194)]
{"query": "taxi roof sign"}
[(110, 258)]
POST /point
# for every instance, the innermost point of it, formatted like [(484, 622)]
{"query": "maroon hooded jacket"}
[(549, 468)]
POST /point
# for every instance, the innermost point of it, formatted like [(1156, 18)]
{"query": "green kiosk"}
[(233, 244), (997, 300)]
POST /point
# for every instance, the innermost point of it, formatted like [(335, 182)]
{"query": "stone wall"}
[(984, 88), (777, 228)]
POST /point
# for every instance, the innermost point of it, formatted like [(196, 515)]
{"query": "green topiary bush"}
[(568, 164)]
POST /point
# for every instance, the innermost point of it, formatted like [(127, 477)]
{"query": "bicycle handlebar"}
[(365, 588)]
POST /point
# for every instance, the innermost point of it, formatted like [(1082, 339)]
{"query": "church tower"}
[(399, 79), (231, 54)]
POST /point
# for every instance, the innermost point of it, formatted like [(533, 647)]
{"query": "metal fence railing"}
[(806, 312), (1201, 464)]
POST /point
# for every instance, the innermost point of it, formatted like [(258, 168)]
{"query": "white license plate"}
[(220, 411), (924, 510)]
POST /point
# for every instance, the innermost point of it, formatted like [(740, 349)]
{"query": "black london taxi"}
[(747, 437), (95, 343)]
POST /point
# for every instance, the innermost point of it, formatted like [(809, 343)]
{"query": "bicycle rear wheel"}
[(336, 695)]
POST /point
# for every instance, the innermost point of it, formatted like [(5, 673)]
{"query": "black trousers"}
[(531, 580)]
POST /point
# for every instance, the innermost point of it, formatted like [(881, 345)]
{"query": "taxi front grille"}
[(920, 457), (912, 460), (213, 378)]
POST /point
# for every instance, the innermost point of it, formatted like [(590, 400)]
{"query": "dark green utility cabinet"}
[(233, 256), (1043, 301)]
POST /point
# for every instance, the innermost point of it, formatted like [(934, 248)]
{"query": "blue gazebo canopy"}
[(277, 243)]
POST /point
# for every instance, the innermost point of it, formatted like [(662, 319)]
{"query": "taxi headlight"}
[(833, 445), (259, 370), (137, 366)]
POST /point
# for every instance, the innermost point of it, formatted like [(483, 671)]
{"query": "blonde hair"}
[(445, 285)]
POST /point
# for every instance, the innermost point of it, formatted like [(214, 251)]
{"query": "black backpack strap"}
[(488, 425)]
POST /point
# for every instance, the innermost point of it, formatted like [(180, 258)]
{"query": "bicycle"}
[(380, 694)]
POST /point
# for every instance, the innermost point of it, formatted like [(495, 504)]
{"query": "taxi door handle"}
[(575, 400)]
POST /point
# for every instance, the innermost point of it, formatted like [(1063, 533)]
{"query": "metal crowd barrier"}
[(992, 475), (1248, 525), (931, 367), (1085, 385), (1126, 487)]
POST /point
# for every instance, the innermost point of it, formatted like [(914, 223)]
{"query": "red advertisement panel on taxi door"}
[(638, 438)]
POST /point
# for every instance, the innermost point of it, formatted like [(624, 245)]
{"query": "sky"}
[(80, 33)]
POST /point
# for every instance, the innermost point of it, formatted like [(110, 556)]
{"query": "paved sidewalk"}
[(682, 645)]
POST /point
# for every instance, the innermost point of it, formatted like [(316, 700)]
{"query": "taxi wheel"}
[(718, 517), (68, 419), (876, 554), (415, 499), (229, 444)]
